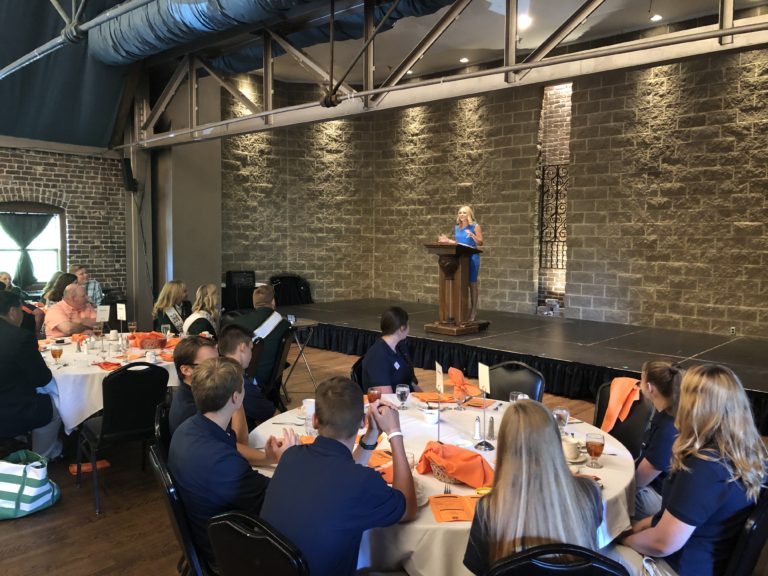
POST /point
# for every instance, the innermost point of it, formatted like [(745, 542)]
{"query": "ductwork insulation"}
[(166, 24)]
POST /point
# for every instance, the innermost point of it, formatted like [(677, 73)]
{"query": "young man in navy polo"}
[(322, 498)]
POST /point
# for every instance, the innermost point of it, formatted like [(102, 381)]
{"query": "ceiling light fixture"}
[(464, 60), (524, 22), (653, 16), (409, 72), (656, 17)]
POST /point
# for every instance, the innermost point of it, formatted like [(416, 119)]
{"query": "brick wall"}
[(349, 204), (90, 190), (667, 212)]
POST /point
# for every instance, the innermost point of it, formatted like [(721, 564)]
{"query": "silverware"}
[(496, 408), (289, 423), (446, 488)]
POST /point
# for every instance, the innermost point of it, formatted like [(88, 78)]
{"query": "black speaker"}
[(241, 278), (129, 182)]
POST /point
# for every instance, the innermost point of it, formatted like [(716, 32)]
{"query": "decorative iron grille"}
[(554, 201)]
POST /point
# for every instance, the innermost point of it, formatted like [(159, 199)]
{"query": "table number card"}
[(439, 378), (121, 311), (484, 377), (102, 313)]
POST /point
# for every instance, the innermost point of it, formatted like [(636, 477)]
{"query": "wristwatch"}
[(365, 446)]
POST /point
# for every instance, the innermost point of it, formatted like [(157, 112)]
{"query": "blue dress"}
[(463, 238)]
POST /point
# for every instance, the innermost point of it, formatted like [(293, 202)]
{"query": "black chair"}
[(130, 396), (163, 428), (275, 390), (539, 560), (245, 545), (190, 563), (750, 544), (630, 432), (514, 376), (356, 373)]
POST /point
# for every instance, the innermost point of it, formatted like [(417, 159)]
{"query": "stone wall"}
[(348, 204), (90, 190), (667, 212)]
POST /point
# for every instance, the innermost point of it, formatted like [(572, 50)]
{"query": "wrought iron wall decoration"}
[(552, 210)]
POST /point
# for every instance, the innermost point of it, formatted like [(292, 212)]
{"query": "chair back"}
[(176, 513), (244, 545), (753, 536), (630, 432), (514, 376), (548, 559), (131, 394), (356, 373), (276, 378), (163, 428)]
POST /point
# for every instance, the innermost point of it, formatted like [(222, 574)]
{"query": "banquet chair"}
[(514, 376), (276, 387), (130, 395), (538, 560), (163, 428), (356, 372), (244, 545), (190, 563), (630, 432), (753, 536)]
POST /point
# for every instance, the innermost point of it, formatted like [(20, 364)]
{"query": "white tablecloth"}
[(425, 547), (78, 382)]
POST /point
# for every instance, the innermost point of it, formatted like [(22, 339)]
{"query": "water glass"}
[(165, 329), (132, 327), (402, 391), (595, 444), (460, 395), (561, 415), (56, 352), (515, 396)]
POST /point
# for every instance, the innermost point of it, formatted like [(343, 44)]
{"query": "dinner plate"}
[(580, 460), (462, 443)]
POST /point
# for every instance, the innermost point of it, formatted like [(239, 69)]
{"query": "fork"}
[(446, 488)]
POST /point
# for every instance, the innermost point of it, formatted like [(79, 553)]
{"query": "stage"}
[(575, 356)]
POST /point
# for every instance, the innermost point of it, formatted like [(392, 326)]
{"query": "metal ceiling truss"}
[(537, 68)]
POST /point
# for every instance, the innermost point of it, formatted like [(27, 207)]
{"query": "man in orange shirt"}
[(72, 315)]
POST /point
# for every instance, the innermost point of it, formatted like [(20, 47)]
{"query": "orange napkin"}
[(307, 439), (459, 463), (381, 460), (108, 366), (452, 507), (171, 343), (456, 376), (479, 403), (624, 392), (432, 397), (78, 338), (135, 356), (167, 357), (138, 337)]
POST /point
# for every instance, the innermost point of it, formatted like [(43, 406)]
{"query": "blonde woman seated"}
[(172, 307), (718, 467), (205, 312), (535, 499)]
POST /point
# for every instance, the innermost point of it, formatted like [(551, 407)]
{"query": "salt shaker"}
[(78, 349), (478, 435), (491, 432)]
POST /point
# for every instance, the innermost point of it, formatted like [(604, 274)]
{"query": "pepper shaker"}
[(491, 432)]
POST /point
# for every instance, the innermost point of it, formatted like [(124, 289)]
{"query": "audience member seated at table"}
[(236, 343), (271, 328), (718, 467), (73, 315), (33, 317), (205, 312), (92, 287), (22, 407), (320, 496), (535, 499), (5, 278), (56, 293), (660, 383), (210, 474), (385, 365), (49, 286), (172, 307), (187, 354)]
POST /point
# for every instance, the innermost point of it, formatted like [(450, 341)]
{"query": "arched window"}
[(32, 242)]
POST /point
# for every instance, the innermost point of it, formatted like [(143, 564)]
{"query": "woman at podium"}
[(467, 231)]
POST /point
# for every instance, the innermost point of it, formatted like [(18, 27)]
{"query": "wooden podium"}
[(453, 261)]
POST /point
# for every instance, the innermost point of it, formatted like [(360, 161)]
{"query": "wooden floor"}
[(133, 535)]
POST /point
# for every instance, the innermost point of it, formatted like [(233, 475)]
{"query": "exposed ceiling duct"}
[(167, 24)]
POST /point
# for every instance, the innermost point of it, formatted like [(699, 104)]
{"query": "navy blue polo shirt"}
[(211, 476), (703, 497), (383, 366), (182, 406), (657, 446), (323, 502)]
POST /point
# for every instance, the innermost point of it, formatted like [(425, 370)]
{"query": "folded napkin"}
[(624, 392), (453, 508), (381, 460), (479, 403), (78, 338), (456, 377), (134, 356), (459, 463), (108, 366), (171, 343), (166, 357), (139, 337), (307, 439), (432, 397)]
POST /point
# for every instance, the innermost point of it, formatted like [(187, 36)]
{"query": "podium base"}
[(457, 329)]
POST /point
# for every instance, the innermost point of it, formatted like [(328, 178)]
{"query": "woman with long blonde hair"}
[(717, 472), (535, 499), (467, 231), (205, 312), (172, 306)]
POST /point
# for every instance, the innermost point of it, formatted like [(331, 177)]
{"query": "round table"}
[(77, 393), (426, 547)]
